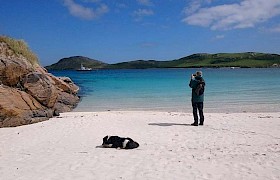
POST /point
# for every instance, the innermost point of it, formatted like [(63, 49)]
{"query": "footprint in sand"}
[(76, 166), (207, 176), (243, 167)]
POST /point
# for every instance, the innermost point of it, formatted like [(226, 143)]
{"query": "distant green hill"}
[(246, 60), (249, 59), (74, 63)]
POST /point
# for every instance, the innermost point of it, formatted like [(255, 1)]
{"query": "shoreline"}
[(206, 111), (187, 109), (228, 146)]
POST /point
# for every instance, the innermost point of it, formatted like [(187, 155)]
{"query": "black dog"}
[(119, 142)]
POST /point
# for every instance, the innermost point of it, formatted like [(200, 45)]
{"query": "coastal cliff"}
[(28, 93)]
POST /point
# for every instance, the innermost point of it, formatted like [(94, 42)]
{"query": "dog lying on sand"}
[(119, 142)]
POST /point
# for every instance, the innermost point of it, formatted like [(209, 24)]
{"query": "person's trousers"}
[(198, 106)]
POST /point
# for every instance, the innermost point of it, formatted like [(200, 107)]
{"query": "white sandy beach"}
[(228, 146)]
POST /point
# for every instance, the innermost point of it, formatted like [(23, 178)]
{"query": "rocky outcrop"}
[(28, 93), (12, 68), (19, 108)]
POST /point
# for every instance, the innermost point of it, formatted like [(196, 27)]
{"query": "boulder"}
[(28, 93), (19, 108), (12, 68), (65, 84), (69, 101), (65, 103), (39, 86)]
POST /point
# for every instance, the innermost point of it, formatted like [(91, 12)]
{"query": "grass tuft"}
[(20, 47)]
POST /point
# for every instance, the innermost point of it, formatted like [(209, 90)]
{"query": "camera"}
[(194, 74)]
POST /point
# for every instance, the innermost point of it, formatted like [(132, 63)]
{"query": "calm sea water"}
[(227, 90)]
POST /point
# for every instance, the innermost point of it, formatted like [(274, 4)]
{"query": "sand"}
[(228, 146)]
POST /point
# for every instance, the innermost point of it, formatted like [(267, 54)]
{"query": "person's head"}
[(199, 73)]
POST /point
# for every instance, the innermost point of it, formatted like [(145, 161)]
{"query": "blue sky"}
[(123, 30)]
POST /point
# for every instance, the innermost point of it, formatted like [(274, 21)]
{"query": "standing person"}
[(197, 84)]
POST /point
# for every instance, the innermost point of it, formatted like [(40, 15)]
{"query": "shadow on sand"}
[(168, 124)]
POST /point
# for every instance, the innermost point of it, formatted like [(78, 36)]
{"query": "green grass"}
[(250, 59), (19, 47)]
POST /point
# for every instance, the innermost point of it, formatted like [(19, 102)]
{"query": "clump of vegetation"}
[(20, 47)]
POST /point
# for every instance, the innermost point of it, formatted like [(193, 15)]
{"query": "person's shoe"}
[(201, 124), (194, 124)]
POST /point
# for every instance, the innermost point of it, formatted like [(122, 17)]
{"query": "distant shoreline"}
[(202, 60), (169, 68)]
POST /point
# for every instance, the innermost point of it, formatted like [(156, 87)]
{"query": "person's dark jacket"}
[(193, 84)]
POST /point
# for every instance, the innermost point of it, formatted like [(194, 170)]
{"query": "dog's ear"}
[(105, 139)]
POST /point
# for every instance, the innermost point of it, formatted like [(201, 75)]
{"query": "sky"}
[(124, 30)]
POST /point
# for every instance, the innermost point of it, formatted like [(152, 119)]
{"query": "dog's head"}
[(106, 140), (132, 145)]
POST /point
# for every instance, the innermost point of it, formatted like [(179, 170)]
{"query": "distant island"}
[(242, 60)]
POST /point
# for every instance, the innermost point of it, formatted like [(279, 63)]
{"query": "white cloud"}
[(275, 29), (102, 9), (220, 37), (148, 44), (92, 1), (83, 12), (143, 12), (145, 2), (140, 13), (245, 14), (194, 5), (121, 5)]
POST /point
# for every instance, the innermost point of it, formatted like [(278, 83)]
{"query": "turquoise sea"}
[(227, 90)]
